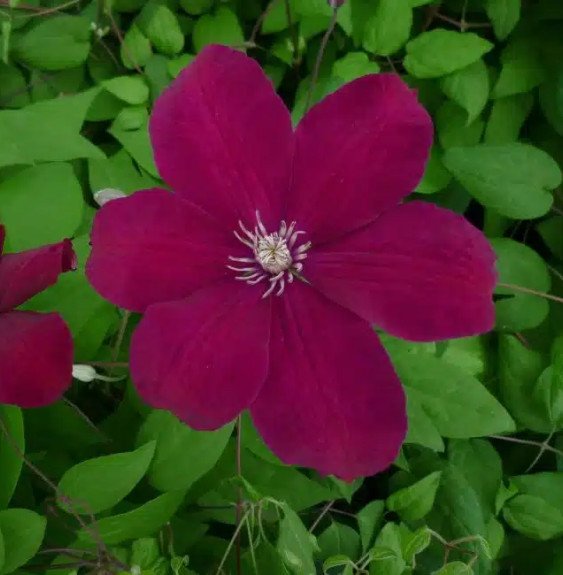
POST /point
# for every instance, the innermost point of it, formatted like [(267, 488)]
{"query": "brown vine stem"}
[(322, 514), (461, 24), (38, 10), (239, 495), (120, 336), (322, 48), (541, 445), (529, 291), (108, 364), (259, 22)]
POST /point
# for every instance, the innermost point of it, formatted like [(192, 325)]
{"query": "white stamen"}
[(274, 256)]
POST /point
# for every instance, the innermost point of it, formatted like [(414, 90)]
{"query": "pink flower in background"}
[(35, 348), (260, 275)]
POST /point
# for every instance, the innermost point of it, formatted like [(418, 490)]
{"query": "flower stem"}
[(239, 493), (529, 291), (322, 48)]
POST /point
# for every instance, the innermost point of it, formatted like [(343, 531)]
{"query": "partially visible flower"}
[(35, 348), (260, 274)]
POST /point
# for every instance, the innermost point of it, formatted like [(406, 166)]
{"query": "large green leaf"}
[(296, 545), (98, 484), (514, 179), (416, 500), (11, 448), (440, 52), (504, 15), (389, 27), (182, 455), (22, 531)]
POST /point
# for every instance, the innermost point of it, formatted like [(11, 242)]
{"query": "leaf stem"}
[(530, 291), (239, 493)]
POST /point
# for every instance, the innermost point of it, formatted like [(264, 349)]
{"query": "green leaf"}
[(54, 43), (295, 544), (369, 518), (41, 205), (533, 516), (130, 128), (421, 427), (414, 502), (436, 177), (455, 568), (504, 15), (440, 52), (507, 118), (98, 484), (352, 66), (13, 87), (388, 28), (182, 455), (27, 134), (460, 406), (549, 390), (136, 48), (522, 68), (176, 65), (10, 460), (220, 28), (196, 7), (414, 543), (453, 128), (130, 89), (142, 521), (339, 539), (387, 553), (514, 179), (22, 531), (160, 25), (469, 88), (518, 264)]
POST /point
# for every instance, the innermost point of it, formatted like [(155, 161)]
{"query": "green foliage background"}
[(109, 486)]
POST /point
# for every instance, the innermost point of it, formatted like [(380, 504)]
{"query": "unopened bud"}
[(104, 196), (87, 374)]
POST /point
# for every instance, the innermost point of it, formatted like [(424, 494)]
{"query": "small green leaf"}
[(504, 15), (389, 27), (22, 531), (436, 177), (469, 88), (533, 516), (10, 460), (414, 502), (182, 455), (522, 68), (220, 28), (455, 568), (340, 539), (514, 179), (196, 7), (160, 25), (136, 48), (518, 264), (296, 545), (130, 89), (453, 128), (440, 52), (98, 484), (54, 43), (421, 427), (552, 234), (143, 521)]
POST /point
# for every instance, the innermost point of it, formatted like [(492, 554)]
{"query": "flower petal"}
[(420, 272), (35, 358), (2, 238), (152, 247), (25, 274), (203, 358), (332, 400), (358, 153), (223, 138)]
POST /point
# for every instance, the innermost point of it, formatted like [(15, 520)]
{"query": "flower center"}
[(275, 257)]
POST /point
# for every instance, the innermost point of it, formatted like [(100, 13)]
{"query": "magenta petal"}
[(35, 358), (420, 272), (2, 238), (24, 274), (332, 400), (153, 246), (223, 138), (359, 152), (206, 357)]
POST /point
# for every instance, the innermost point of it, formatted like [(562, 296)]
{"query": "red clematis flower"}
[(35, 348), (260, 274)]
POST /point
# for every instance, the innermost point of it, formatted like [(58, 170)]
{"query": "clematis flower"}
[(260, 274), (35, 348)]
